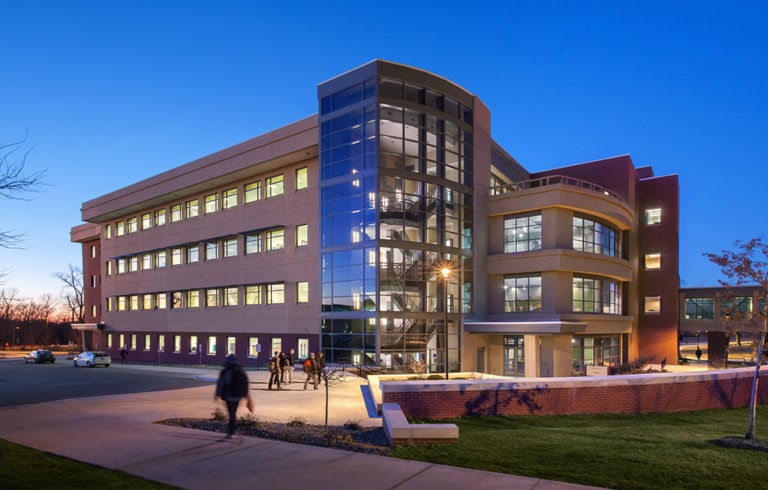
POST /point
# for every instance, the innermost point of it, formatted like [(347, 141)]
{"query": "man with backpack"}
[(232, 386), (274, 370), (310, 367)]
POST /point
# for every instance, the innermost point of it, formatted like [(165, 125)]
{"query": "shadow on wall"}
[(497, 401)]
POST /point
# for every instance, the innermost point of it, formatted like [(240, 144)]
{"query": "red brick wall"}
[(668, 392)]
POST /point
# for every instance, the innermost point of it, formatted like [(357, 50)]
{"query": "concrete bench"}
[(400, 432)]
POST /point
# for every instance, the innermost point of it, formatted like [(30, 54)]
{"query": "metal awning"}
[(523, 327)]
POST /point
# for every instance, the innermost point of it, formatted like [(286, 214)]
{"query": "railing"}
[(547, 181)]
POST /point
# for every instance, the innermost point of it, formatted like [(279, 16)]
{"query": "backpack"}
[(307, 366), (240, 383), (272, 365)]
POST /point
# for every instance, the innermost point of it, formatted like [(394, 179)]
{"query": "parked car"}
[(93, 358), (40, 356)]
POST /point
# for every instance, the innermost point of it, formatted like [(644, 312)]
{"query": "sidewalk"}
[(118, 432)]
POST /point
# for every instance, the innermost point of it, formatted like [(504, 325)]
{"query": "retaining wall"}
[(639, 393)]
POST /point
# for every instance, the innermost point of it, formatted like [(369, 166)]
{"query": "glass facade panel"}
[(522, 233), (522, 293), (596, 295), (595, 237)]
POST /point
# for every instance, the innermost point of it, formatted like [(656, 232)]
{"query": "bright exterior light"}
[(446, 272)]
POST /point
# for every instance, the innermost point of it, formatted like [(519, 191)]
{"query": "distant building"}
[(332, 233)]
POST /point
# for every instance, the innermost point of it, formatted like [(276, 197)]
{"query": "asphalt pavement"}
[(118, 432)]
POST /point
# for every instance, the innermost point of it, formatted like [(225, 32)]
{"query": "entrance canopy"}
[(525, 328)]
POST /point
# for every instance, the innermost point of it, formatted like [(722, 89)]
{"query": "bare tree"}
[(15, 184), (9, 303), (328, 376), (73, 293), (748, 266)]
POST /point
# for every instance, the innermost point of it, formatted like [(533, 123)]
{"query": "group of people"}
[(281, 367), (233, 384)]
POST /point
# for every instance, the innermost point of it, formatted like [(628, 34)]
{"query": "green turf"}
[(670, 451), (24, 468)]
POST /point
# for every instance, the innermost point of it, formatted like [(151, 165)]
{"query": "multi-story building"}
[(388, 229)]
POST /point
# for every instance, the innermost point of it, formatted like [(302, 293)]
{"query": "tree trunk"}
[(755, 381)]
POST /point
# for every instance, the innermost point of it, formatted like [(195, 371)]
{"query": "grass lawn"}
[(24, 468), (670, 451)]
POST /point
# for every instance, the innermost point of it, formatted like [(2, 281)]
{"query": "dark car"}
[(40, 356)]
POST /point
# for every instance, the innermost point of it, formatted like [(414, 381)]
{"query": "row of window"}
[(209, 204), (193, 344), (253, 243), (738, 308), (252, 294), (590, 294)]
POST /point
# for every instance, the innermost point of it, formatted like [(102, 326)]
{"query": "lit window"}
[(93, 281), (653, 216), (212, 345), (522, 233), (193, 298), (193, 344), (302, 235), (176, 213), (193, 254), (275, 240), (229, 247), (108, 232), (146, 262), (253, 244), (193, 208), (253, 192), (177, 300), (302, 292), (211, 250), (122, 303), (522, 293), (253, 295), (302, 178), (93, 310), (595, 237), (133, 341), (699, 308), (177, 343), (147, 341), (160, 258), (177, 256), (211, 203), (652, 261), (93, 251), (211, 297), (146, 221), (133, 263), (110, 304), (161, 301), (120, 228), (230, 296), (253, 347), (134, 302), (108, 267), (133, 225), (146, 302), (231, 345), (121, 266), (229, 199), (160, 217), (596, 295), (274, 186), (652, 304), (275, 293), (161, 343)]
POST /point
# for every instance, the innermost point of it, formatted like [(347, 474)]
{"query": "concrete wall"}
[(642, 393)]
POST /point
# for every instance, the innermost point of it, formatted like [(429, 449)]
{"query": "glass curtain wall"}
[(396, 208)]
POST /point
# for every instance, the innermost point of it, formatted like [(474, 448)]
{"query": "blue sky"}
[(115, 92)]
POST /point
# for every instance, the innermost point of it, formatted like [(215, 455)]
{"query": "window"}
[(134, 302), (253, 243), (653, 216), (94, 310), (177, 300), (229, 248), (160, 217), (123, 345), (146, 221), (133, 263), (108, 267), (193, 254), (192, 208), (231, 345), (211, 250), (193, 344), (177, 343), (161, 343), (652, 304), (229, 199), (302, 178), (522, 233), (302, 235), (652, 261), (133, 225), (120, 228), (596, 295), (522, 293), (253, 295), (109, 341), (303, 345), (122, 304), (121, 265), (110, 304), (160, 258), (277, 345), (595, 237), (699, 308), (193, 298), (147, 341), (146, 262), (93, 281), (108, 232), (177, 256), (93, 251), (146, 302), (161, 301), (133, 341), (230, 296), (253, 347), (252, 192), (211, 297), (275, 240), (302, 292), (176, 213), (211, 345), (738, 308), (211, 203), (275, 293), (274, 186)]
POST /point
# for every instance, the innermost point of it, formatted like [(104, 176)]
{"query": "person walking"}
[(320, 359), (232, 386), (123, 356), (283, 367), (310, 367), (291, 363), (274, 370)]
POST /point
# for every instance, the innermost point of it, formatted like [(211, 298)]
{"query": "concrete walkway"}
[(118, 432)]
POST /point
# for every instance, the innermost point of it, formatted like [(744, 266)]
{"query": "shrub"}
[(218, 414), (297, 422)]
